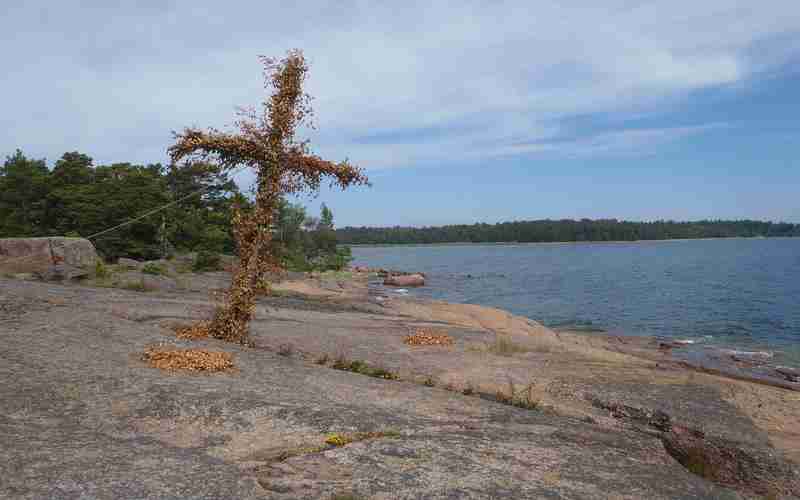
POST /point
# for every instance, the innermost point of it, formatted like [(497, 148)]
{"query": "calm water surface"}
[(738, 293)]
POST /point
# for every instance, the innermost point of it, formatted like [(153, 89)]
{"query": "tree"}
[(326, 217), (24, 187), (283, 165), (201, 221), (70, 193)]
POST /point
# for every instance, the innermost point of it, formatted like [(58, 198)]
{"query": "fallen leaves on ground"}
[(195, 360), (428, 337), (195, 331)]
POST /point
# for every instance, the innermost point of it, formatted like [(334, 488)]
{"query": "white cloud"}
[(641, 141), (115, 82)]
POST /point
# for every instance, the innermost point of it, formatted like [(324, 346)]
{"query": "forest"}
[(565, 230), (78, 198), (75, 197)]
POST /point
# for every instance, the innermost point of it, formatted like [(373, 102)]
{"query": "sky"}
[(460, 112)]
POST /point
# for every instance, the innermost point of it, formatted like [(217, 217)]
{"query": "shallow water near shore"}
[(733, 294)]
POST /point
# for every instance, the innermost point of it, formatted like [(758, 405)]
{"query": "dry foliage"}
[(266, 143), (196, 331), (428, 337), (195, 360)]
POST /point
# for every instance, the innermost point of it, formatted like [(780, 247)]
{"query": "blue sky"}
[(459, 111)]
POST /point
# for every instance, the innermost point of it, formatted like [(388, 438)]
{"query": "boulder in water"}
[(404, 281)]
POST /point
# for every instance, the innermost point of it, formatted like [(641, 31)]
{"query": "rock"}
[(62, 272), (90, 419), (790, 374), (748, 360), (403, 281), (25, 255), (161, 283), (38, 255), (78, 252), (383, 273), (129, 263), (185, 258), (135, 280)]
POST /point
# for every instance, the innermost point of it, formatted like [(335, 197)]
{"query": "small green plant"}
[(206, 261), (341, 439), (153, 268), (382, 373), (100, 269), (337, 440), (357, 366)]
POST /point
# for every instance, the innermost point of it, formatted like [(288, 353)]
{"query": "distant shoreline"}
[(592, 242)]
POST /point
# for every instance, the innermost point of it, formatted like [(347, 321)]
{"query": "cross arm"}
[(227, 149)]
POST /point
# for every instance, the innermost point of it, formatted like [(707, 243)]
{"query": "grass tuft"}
[(522, 398), (101, 270), (357, 366), (153, 269), (504, 346)]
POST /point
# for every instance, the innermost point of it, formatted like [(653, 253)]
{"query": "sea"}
[(732, 295)]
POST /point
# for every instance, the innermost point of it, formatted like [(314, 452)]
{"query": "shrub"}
[(100, 269), (152, 268), (206, 261)]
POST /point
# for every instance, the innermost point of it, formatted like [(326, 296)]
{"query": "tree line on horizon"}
[(564, 230), (78, 198)]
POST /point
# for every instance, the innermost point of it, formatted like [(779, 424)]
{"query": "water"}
[(737, 293)]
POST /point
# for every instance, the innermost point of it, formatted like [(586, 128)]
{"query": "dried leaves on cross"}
[(265, 142)]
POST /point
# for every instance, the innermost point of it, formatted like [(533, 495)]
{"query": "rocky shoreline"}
[(348, 392), (758, 366)]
